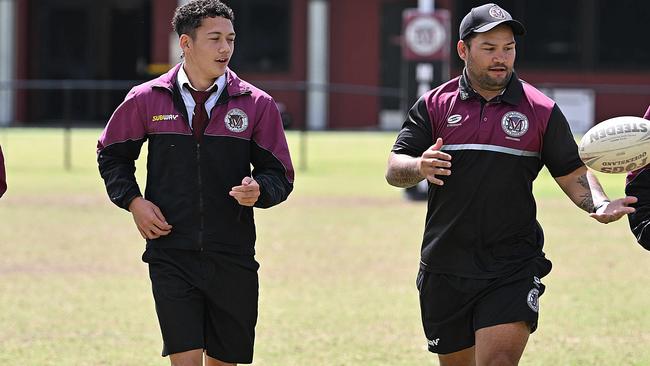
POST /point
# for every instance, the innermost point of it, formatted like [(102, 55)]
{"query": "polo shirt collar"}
[(511, 94)]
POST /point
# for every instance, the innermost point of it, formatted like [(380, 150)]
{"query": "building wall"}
[(354, 59), (286, 87), (162, 12), (617, 93), (22, 57)]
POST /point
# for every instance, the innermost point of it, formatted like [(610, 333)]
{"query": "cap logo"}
[(236, 120), (497, 12), (514, 124)]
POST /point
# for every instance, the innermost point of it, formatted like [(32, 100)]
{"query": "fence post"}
[(67, 115), (303, 148)]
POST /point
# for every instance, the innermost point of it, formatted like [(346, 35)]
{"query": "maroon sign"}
[(425, 36)]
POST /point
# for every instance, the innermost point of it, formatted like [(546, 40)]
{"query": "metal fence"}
[(68, 86)]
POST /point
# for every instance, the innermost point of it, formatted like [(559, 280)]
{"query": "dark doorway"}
[(261, 50), (392, 67), (81, 39)]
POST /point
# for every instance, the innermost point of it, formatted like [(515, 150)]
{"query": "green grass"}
[(339, 260)]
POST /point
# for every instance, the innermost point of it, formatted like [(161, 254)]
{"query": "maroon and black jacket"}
[(638, 185), (3, 177), (190, 182)]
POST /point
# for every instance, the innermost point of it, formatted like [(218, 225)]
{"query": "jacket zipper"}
[(198, 164), (201, 215)]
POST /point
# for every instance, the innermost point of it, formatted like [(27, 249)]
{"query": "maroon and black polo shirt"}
[(482, 222)]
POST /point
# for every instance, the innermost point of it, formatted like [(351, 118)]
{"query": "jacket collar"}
[(234, 85)]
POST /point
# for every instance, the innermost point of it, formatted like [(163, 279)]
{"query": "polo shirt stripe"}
[(495, 148)]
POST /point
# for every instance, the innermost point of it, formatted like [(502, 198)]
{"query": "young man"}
[(638, 184), (480, 140), (3, 176), (205, 128)]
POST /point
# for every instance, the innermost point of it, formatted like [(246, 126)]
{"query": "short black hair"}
[(188, 17), (468, 40)]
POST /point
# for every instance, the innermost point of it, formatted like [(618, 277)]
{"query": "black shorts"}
[(454, 308), (205, 300)]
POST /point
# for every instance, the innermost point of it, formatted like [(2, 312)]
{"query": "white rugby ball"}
[(617, 145)]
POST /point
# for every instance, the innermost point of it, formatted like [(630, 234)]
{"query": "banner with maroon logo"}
[(425, 36)]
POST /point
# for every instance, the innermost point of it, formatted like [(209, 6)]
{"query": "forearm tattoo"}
[(584, 182), (586, 200), (403, 177)]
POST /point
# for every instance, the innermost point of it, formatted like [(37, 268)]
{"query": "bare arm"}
[(584, 189), (406, 171), (403, 171)]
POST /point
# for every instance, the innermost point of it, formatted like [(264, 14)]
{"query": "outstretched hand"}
[(614, 210), (434, 162)]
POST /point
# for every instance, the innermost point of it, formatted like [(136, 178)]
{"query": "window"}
[(579, 34), (263, 35), (622, 34), (80, 39), (553, 38)]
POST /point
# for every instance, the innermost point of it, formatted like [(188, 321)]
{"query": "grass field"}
[(338, 265)]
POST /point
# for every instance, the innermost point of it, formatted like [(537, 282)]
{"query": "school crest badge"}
[(514, 124), (236, 120)]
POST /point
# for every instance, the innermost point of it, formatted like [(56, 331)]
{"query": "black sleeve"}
[(117, 168), (639, 187), (270, 174), (272, 166), (559, 150), (416, 135), (118, 148), (640, 219)]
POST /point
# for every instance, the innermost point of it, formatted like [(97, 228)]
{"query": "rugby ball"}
[(617, 145)]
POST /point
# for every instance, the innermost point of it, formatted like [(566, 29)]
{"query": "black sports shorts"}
[(454, 308), (205, 300)]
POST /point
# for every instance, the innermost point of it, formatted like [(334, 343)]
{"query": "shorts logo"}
[(454, 119), (433, 342), (236, 120), (514, 124), (497, 12), (533, 300), (164, 117)]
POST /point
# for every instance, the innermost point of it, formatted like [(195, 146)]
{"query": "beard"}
[(484, 80)]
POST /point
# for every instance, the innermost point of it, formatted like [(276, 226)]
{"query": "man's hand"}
[(434, 162), (247, 193), (614, 210), (149, 220)]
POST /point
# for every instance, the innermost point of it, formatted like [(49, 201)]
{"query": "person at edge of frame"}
[(480, 140), (205, 128), (3, 174), (638, 184)]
